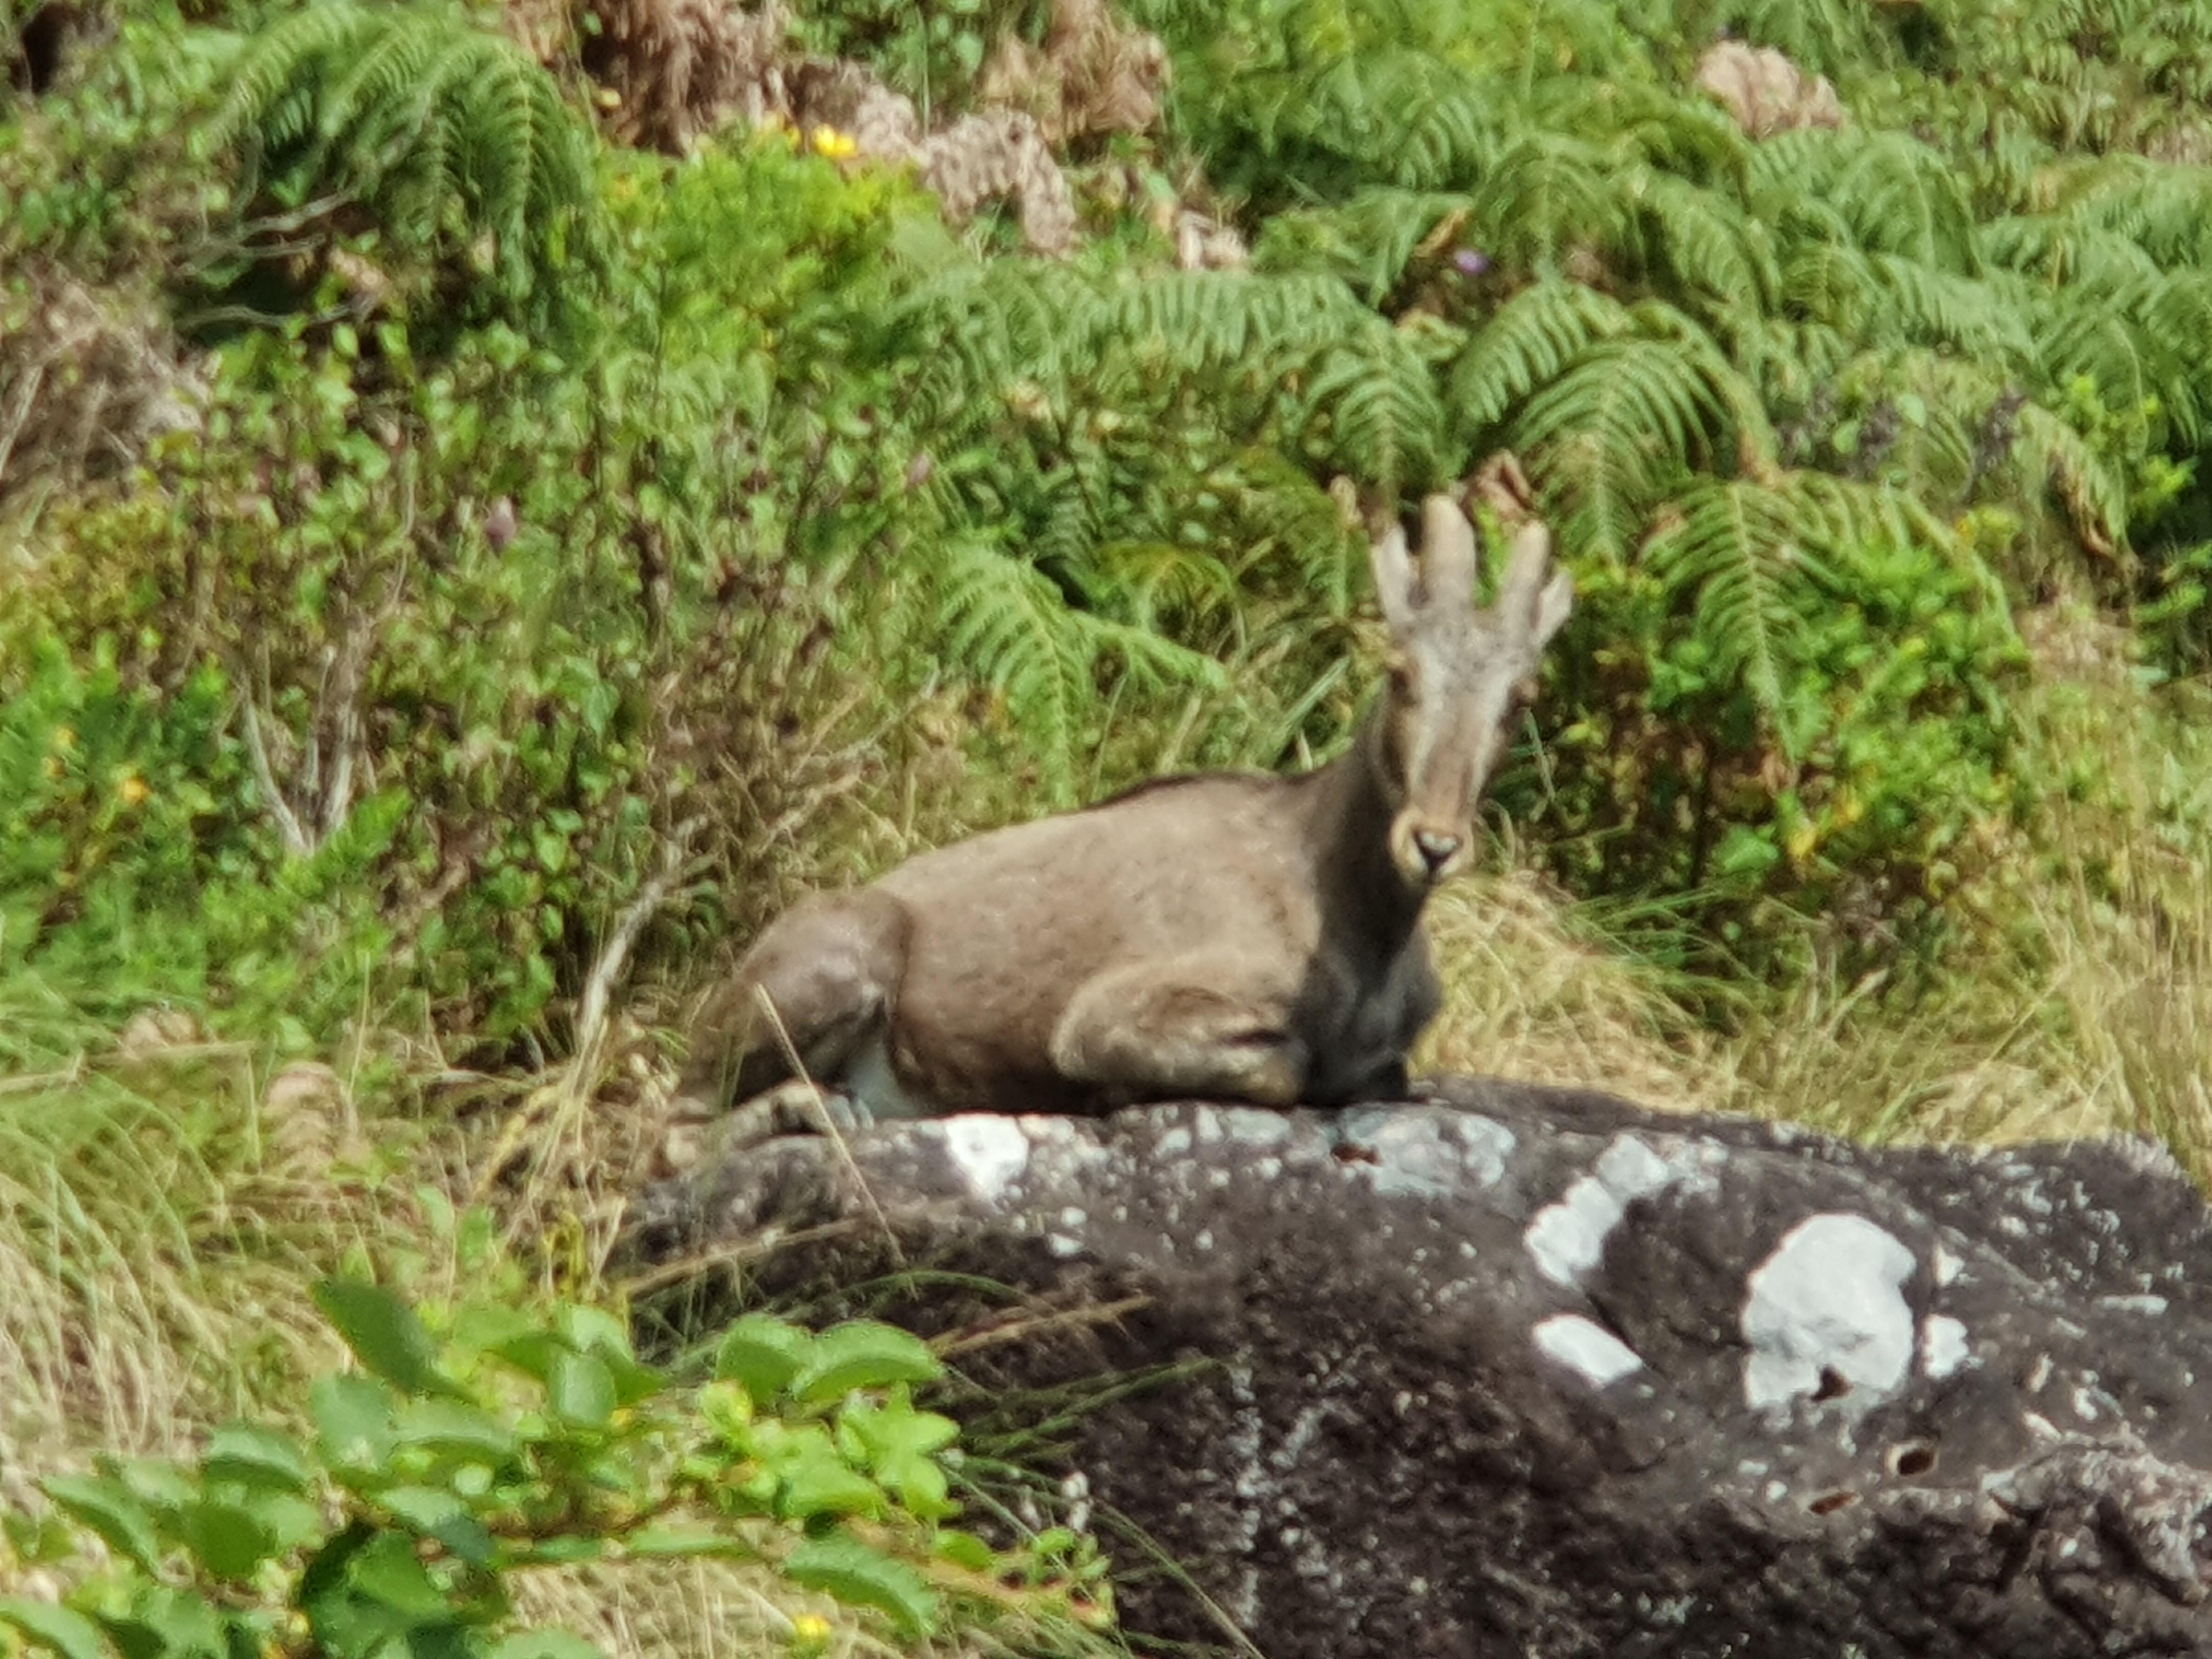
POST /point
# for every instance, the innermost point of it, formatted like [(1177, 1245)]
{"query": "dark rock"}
[(1535, 1372)]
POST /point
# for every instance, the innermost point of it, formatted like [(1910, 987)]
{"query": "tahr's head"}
[(1458, 676)]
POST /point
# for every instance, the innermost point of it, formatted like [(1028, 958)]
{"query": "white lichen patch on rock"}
[(1568, 1238), (1829, 1299), (1431, 1154), (1587, 1347), (1253, 1126), (1943, 1347), (991, 1152)]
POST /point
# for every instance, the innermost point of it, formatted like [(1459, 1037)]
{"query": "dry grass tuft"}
[(155, 1241), (2081, 1005), (1529, 996), (87, 379), (698, 1609)]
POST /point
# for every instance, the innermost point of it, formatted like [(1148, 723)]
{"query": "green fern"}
[(2090, 492), (1527, 343), (445, 132), (1731, 552), (1629, 421), (1009, 624), (1708, 246), (1368, 243), (1371, 408), (1892, 193), (1549, 193)]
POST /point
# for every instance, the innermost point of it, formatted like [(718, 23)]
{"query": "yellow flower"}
[(810, 1633), (132, 790), (64, 738), (1802, 842), (836, 145), (608, 98)]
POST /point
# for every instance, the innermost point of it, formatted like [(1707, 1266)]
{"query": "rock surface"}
[(1530, 1372)]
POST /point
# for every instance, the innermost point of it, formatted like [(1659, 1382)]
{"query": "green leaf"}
[(257, 1457), (862, 1354), (385, 1336), (388, 1570), (545, 1644), (862, 1577), (167, 1621), (108, 1508), (557, 1552), (582, 1390), (353, 1420), (447, 1426), (964, 1549), (230, 1540), (70, 1634), (1746, 854), (813, 1478), (680, 1542), (156, 1481), (763, 1354), (595, 1330), (436, 1513), (898, 1444)]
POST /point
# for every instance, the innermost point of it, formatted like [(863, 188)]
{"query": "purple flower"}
[(1472, 261)]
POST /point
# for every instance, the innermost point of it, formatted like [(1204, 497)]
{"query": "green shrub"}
[(486, 635), (443, 1470), (1847, 822)]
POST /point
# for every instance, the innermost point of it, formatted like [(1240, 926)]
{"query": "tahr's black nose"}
[(1436, 848)]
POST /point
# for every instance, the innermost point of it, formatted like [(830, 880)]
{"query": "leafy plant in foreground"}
[(440, 1472)]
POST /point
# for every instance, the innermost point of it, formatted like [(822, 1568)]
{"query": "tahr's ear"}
[(1554, 606), (1448, 554), (1393, 578), (1535, 599)]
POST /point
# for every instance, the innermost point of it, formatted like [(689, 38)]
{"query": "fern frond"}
[(1372, 408), (1006, 624), (1830, 283), (1289, 525), (1549, 193), (1706, 241), (1152, 659), (1159, 582), (1073, 517), (1366, 243), (1941, 308), (444, 131), (270, 99), (1843, 513), (2165, 209), (1659, 128), (2091, 491), (1530, 341), (380, 89), (1831, 36), (1594, 446), (1732, 555), (2063, 248), (1896, 194), (1345, 104), (2099, 336), (1009, 624), (1210, 320)]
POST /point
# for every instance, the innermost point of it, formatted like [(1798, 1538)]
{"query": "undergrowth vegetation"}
[(459, 575)]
